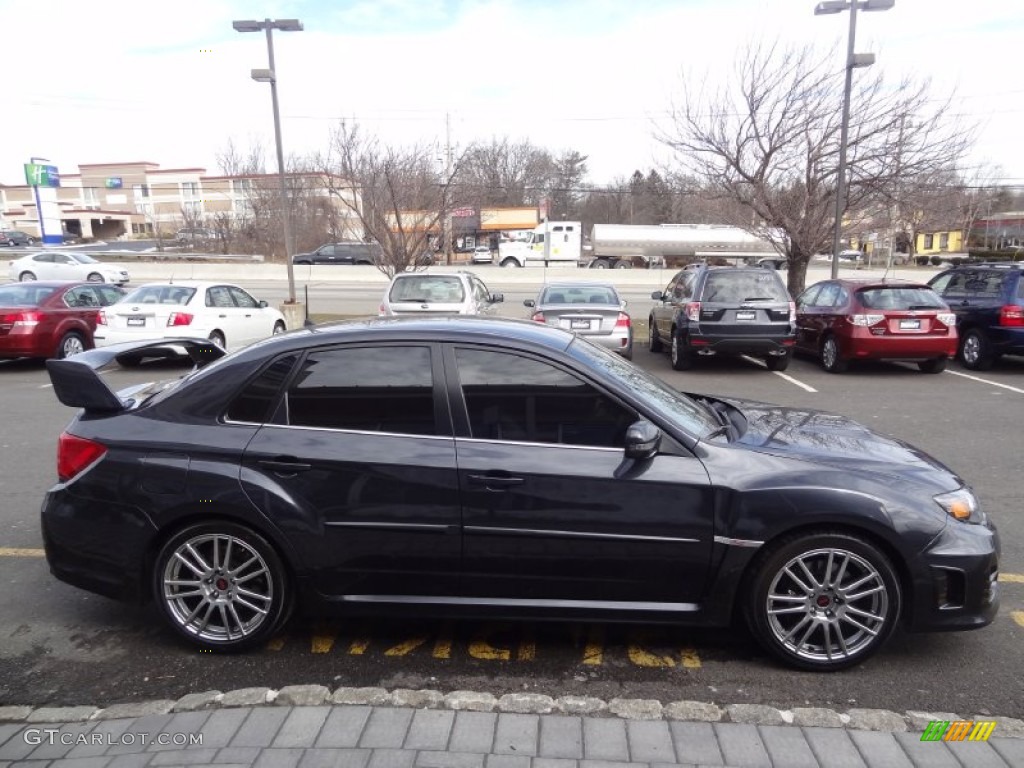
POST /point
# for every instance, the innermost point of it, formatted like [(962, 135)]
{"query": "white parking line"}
[(987, 381), (781, 375)]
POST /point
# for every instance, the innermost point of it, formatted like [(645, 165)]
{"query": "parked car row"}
[(51, 319)]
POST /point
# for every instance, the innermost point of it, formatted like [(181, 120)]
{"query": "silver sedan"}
[(591, 309)]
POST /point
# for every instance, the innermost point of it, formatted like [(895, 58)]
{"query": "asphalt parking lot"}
[(63, 646)]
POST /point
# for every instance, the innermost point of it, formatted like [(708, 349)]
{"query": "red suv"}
[(51, 319), (844, 320)]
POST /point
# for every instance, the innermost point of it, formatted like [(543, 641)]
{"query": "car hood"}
[(836, 441)]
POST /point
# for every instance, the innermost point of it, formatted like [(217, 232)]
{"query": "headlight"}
[(962, 505)]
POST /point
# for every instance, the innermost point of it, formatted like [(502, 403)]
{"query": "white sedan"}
[(64, 265), (225, 314)]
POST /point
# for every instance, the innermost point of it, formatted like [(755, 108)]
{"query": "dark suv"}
[(705, 310), (988, 300)]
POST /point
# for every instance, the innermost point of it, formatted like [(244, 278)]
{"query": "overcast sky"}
[(168, 82)]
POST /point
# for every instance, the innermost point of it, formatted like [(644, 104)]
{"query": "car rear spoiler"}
[(77, 383)]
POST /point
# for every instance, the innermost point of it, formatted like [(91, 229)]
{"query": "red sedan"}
[(51, 319), (843, 320)]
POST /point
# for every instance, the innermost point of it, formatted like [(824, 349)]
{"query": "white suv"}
[(482, 255), (438, 293)]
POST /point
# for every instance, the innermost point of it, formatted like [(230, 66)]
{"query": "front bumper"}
[(956, 582)]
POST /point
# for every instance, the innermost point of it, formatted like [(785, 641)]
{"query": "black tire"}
[(230, 624), (834, 559), (623, 265), (26, 276), (510, 263), (938, 365), (831, 357), (94, 277), (654, 341), (279, 328), (975, 351), (218, 338), (627, 353), (778, 362), (599, 264), (71, 343), (681, 357)]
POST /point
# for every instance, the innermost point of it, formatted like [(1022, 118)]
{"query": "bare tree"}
[(397, 195), (769, 142), (507, 173)]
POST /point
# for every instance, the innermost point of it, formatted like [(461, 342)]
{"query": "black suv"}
[(988, 300), (737, 310)]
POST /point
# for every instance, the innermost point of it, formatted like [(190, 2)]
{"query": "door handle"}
[(495, 482), (284, 466), (222, 316)]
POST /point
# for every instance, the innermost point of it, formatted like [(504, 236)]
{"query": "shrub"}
[(936, 260), (921, 261)]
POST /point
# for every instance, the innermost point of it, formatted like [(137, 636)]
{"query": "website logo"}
[(958, 730)]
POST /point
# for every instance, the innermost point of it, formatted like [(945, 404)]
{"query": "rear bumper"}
[(864, 345), (740, 345), (104, 337), (1007, 341), (956, 585)]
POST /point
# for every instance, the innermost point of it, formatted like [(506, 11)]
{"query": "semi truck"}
[(625, 246)]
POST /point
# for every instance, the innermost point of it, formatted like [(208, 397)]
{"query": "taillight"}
[(101, 317), (1011, 315), (74, 454), (538, 317), (622, 321), (22, 319), (693, 311), (792, 313), (948, 319), (382, 310), (866, 320), (179, 318)]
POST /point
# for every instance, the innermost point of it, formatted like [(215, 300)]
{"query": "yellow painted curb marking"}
[(21, 552), (1018, 616), (1011, 578)]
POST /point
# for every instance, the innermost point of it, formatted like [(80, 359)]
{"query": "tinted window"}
[(941, 283), (43, 258), (254, 404), (900, 298), (987, 284), (80, 297), (242, 299), (160, 294), (219, 296), (374, 389), (731, 287), (23, 295), (509, 397), (436, 288)]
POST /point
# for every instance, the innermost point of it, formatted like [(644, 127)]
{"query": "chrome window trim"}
[(738, 542), (488, 529)]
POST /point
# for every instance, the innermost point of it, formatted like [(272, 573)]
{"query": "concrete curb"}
[(627, 709)]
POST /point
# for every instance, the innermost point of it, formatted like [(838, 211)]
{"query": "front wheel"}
[(823, 602), (938, 365), (778, 362), (510, 263), (278, 328), (599, 264), (221, 586), (975, 352), (653, 341), (26, 277), (218, 338)]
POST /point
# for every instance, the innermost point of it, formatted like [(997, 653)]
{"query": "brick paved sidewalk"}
[(354, 736)]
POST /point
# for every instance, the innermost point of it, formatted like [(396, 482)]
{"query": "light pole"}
[(270, 76), (853, 60)]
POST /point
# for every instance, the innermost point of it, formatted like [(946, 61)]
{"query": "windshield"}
[(82, 258), (900, 297), (23, 295), (440, 289), (666, 402), (159, 294)]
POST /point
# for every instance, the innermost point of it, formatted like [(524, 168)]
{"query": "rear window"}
[(23, 295), (735, 286), (900, 298), (428, 288), (160, 294), (582, 294)]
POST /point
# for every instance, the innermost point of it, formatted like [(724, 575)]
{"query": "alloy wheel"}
[(827, 605), (972, 349), (72, 345), (218, 588)]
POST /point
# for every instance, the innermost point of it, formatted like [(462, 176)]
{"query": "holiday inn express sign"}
[(41, 175)]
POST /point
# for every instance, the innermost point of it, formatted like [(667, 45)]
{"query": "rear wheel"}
[(823, 601), (278, 327), (831, 360), (71, 343), (510, 263), (623, 265), (975, 351), (938, 365), (26, 276), (218, 338), (95, 277), (221, 586), (778, 362), (682, 358), (653, 342)]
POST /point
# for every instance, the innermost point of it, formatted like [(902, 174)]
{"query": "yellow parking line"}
[(1011, 578), (276, 644), (21, 552), (690, 659), (1018, 616), (323, 640)]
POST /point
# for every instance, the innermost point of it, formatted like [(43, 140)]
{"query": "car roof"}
[(868, 282), (578, 284), (198, 284)]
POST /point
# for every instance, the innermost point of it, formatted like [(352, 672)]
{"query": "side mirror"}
[(263, 304), (497, 298), (642, 440), (657, 295), (529, 303)]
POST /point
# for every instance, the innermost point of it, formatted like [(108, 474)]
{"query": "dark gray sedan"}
[(591, 309)]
